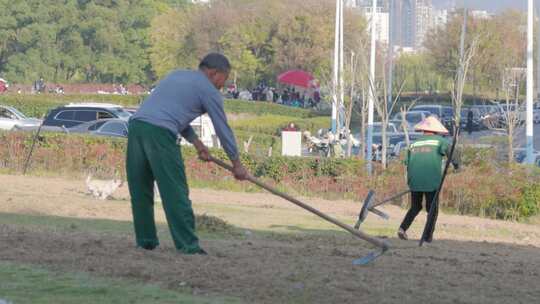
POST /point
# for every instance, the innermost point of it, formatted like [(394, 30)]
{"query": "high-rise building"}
[(440, 17), (381, 24), (411, 20), (404, 25), (424, 21), (381, 16)]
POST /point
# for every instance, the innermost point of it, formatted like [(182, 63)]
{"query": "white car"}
[(12, 119)]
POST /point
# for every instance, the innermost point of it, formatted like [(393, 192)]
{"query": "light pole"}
[(390, 54), (371, 97), (530, 83), (340, 120), (336, 68)]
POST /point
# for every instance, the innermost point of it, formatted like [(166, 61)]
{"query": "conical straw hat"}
[(431, 124)]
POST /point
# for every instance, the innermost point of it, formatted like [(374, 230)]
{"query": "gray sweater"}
[(181, 97)]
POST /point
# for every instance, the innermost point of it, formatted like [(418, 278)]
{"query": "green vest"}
[(424, 163)]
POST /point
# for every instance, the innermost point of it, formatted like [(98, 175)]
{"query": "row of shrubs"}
[(38, 105), (481, 187)]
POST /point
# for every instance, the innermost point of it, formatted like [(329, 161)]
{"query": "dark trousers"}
[(152, 155), (416, 206)]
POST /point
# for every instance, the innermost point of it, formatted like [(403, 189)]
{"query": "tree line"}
[(78, 40), (139, 41)]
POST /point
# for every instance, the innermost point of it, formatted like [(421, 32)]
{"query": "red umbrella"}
[(297, 78)]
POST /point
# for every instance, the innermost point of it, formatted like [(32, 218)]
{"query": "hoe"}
[(370, 206), (383, 245)]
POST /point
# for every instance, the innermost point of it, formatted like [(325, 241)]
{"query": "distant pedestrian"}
[(470, 116), (153, 153), (269, 95), (424, 171)]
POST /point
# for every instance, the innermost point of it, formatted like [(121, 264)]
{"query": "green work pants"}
[(153, 155)]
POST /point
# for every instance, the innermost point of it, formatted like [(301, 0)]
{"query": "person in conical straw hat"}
[(424, 170)]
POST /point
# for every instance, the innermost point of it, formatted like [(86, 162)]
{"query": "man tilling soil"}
[(153, 153)]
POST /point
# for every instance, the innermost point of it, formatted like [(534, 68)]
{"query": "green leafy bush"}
[(501, 192)]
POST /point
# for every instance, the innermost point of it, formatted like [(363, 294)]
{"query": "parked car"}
[(412, 118), (520, 154), (476, 121), (536, 116), (12, 119), (520, 111), (444, 113), (71, 115), (491, 115), (395, 143), (104, 127), (390, 128), (131, 110)]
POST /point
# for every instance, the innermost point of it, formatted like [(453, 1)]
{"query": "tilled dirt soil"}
[(293, 269)]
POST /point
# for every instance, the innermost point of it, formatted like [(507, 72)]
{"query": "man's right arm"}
[(214, 107)]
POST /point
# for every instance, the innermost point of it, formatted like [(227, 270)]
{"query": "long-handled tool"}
[(370, 206), (36, 137), (359, 234), (430, 224)]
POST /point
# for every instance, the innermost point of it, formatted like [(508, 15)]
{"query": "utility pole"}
[(341, 112), (336, 67), (371, 97), (390, 55), (538, 54), (349, 112), (530, 83), (460, 82)]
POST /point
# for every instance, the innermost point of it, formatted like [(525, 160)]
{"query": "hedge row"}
[(482, 187), (37, 105)]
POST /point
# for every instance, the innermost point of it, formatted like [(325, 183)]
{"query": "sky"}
[(489, 5)]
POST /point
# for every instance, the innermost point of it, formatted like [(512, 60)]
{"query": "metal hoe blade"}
[(370, 257), (365, 209), (369, 206), (379, 213)]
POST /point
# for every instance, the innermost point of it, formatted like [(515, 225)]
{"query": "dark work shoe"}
[(148, 247), (193, 251), (201, 252), (429, 239), (402, 234)]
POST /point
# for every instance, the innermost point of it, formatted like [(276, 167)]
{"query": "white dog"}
[(102, 189)]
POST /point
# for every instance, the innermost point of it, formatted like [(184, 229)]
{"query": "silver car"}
[(114, 127), (12, 119)]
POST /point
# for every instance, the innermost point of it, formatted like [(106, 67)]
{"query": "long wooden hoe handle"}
[(386, 200), (375, 241)]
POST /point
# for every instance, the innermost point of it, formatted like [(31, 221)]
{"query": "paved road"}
[(519, 137)]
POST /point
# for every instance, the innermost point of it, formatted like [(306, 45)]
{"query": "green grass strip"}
[(22, 284)]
